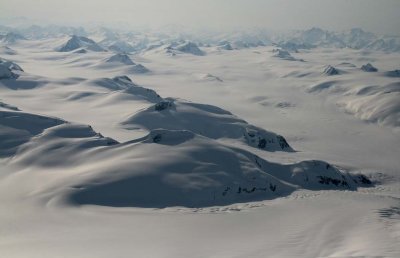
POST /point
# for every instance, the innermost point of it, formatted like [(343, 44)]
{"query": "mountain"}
[(11, 38), (120, 58), (387, 44), (225, 45), (190, 48), (284, 54), (9, 70), (76, 42), (369, 68), (355, 38), (330, 70), (393, 73), (124, 59), (205, 120), (123, 84), (163, 169)]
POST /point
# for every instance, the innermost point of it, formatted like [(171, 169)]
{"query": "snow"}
[(99, 161)]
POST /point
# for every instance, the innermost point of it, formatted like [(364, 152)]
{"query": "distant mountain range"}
[(133, 41)]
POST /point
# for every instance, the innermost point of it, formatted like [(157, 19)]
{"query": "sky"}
[(379, 16)]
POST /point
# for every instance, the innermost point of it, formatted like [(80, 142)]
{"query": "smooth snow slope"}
[(57, 177)]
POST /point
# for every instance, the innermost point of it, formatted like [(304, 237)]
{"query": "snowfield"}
[(122, 145)]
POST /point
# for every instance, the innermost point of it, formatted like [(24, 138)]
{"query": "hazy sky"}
[(380, 16)]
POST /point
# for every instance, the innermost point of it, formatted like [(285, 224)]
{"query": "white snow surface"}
[(101, 161)]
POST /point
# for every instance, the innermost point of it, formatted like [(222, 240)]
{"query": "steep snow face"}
[(9, 70), (206, 120), (369, 68), (76, 42), (190, 48)]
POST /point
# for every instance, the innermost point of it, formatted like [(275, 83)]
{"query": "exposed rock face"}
[(9, 70), (394, 73), (330, 70), (369, 68)]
